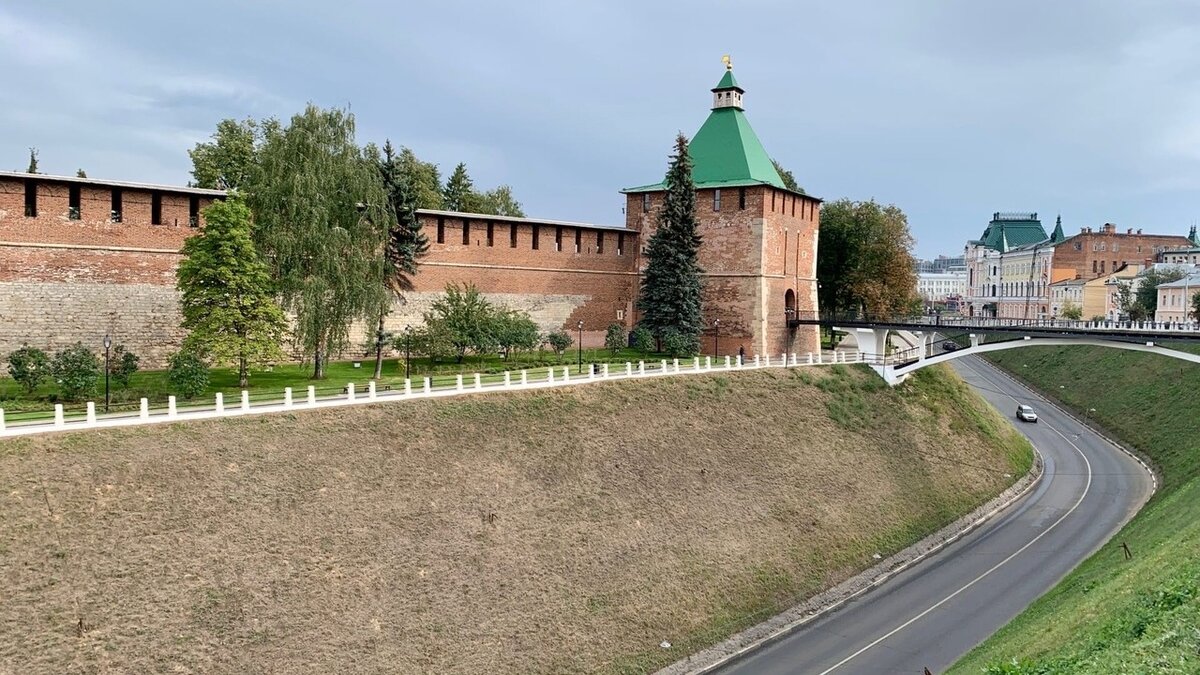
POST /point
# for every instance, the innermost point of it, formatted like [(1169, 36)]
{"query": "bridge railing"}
[(966, 322)]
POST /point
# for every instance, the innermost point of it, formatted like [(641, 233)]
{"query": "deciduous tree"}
[(500, 202), (671, 287), (466, 317), (864, 259), (29, 367), (423, 178), (227, 161), (1147, 289), (321, 218), (226, 293), (615, 339), (789, 181)]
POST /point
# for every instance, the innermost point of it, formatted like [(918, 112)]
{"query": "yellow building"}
[(1097, 299)]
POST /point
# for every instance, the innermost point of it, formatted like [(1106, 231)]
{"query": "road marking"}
[(1086, 488)]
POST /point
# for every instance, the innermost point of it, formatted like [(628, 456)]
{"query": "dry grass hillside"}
[(538, 532)]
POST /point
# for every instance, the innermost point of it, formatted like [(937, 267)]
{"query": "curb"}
[(781, 625)]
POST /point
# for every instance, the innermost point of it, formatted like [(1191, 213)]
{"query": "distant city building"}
[(1064, 295), (938, 286), (941, 263), (1184, 255), (1094, 253), (1175, 298), (1009, 267)]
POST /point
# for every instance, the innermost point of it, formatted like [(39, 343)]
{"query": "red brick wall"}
[(1080, 251)]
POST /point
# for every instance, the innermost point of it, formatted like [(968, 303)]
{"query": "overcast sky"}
[(949, 109)]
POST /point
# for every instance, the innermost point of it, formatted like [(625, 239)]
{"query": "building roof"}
[(513, 219), (1057, 236), (1190, 280), (113, 183), (1008, 231), (1070, 282), (726, 152), (728, 82)]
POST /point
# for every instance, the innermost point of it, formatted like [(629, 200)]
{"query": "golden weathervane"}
[(727, 61)]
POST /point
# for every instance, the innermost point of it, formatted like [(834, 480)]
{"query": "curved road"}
[(930, 615)]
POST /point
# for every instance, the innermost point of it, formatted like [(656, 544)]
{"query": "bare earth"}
[(556, 532)]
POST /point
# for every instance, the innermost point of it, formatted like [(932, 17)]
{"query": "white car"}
[(1026, 414)]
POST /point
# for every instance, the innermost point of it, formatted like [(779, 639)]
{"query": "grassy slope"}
[(1111, 615), (561, 531)]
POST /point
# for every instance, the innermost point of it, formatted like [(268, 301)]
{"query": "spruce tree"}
[(459, 193), (670, 294), (33, 163)]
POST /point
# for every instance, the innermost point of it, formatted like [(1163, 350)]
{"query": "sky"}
[(951, 110)]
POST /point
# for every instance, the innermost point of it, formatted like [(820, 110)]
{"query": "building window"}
[(772, 201), (717, 199), (466, 232), (741, 198), (600, 242), (74, 212), (115, 212), (578, 240), (620, 315), (194, 211), (490, 233), (558, 239), (1079, 246), (620, 243), (534, 237), (1101, 267), (156, 209), (441, 232), (31, 199), (512, 236), (645, 202), (794, 207), (1093, 267)]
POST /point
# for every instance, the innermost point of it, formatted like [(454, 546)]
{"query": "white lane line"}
[(1087, 486)]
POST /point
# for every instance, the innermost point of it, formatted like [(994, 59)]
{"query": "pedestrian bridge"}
[(872, 335)]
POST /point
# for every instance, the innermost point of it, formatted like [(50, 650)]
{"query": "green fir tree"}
[(670, 294), (459, 193)]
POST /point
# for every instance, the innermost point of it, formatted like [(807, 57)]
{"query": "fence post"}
[(458, 383), (820, 356), (507, 379), (428, 386), (757, 363), (591, 371), (566, 374), (795, 359), (550, 374), (662, 366), (641, 367), (170, 406), (220, 403), (696, 363), (312, 395), (1, 419), (371, 389), (91, 414), (739, 360), (478, 382), (604, 371), (58, 415), (144, 409), (245, 400), (727, 360), (408, 386), (783, 359), (675, 363), (628, 369), (350, 389), (287, 397), (524, 376), (708, 363)]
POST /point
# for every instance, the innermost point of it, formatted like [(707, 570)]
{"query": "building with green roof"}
[(759, 249)]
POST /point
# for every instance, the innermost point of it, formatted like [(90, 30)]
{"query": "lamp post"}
[(407, 337), (580, 327), (107, 344), (716, 337)]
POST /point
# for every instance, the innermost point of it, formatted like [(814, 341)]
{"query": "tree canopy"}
[(789, 181), (864, 258), (670, 293), (228, 160), (225, 290)]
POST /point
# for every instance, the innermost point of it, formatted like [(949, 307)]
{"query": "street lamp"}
[(716, 337), (580, 327), (407, 337), (107, 344)]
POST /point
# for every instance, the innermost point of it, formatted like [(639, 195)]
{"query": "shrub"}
[(29, 367), (77, 371), (559, 341), (188, 374), (615, 340), (643, 340), (123, 365), (677, 344)]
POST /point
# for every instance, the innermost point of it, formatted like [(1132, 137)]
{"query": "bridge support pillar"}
[(976, 339), (872, 341), (925, 342)]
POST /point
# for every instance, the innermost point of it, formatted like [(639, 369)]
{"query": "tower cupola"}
[(727, 93)]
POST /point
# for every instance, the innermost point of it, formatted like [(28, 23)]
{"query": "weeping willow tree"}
[(321, 218)]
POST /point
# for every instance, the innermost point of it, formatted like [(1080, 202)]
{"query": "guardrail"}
[(965, 322), (412, 390)]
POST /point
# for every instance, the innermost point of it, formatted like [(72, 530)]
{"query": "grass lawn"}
[(269, 385), (1110, 615), (546, 531)]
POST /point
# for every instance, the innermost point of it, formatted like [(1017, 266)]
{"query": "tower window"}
[(578, 240), (600, 242), (466, 232), (156, 209), (490, 233), (772, 201), (717, 199), (115, 213), (534, 231), (742, 198), (74, 212), (794, 207), (31, 199), (194, 211), (645, 202), (620, 243), (512, 236), (558, 239), (441, 232)]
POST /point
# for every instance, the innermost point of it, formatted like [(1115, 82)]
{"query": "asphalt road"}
[(930, 615)]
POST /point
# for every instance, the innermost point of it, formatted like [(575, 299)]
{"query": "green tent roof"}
[(728, 82), (726, 152), (1003, 234)]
